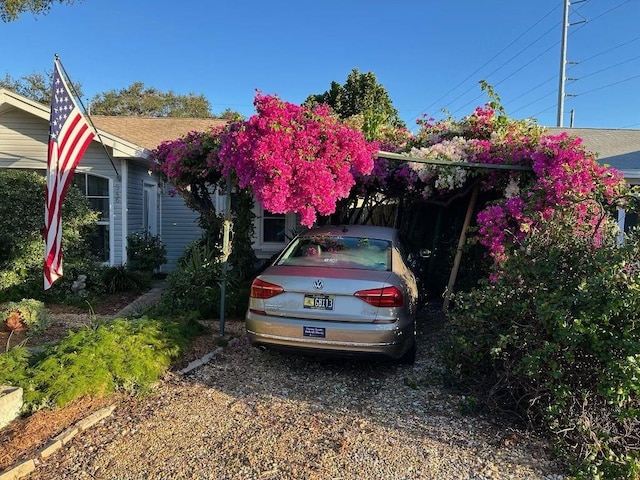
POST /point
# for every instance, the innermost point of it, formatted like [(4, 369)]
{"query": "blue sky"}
[(428, 54)]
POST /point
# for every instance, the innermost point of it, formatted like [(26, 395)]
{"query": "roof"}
[(148, 132), (128, 136), (619, 148)]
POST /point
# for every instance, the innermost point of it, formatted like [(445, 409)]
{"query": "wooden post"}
[(461, 241)]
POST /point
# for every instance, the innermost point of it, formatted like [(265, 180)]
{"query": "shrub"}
[(556, 339), (195, 284), (21, 243), (120, 279), (145, 252), (125, 355), (14, 365), (29, 312)]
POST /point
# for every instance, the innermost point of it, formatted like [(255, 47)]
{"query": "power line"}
[(485, 64), (590, 91), (552, 92), (608, 68), (507, 77), (607, 86), (606, 51), (588, 59), (504, 64), (582, 77)]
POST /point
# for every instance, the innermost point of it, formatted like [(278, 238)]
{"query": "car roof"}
[(372, 231)]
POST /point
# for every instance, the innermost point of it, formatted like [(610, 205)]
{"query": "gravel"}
[(260, 414)]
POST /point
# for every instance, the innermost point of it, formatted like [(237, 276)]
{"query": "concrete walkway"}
[(147, 299)]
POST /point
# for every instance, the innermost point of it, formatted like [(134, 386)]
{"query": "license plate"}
[(316, 332), (318, 302)]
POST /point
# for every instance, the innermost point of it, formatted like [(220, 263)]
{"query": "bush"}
[(29, 312), (145, 252), (556, 339), (195, 284), (14, 365), (21, 243), (121, 279), (125, 355)]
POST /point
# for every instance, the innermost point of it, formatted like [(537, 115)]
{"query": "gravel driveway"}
[(253, 414)]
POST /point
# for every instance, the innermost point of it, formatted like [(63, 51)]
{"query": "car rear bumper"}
[(390, 340)]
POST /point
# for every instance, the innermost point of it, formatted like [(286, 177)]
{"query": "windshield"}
[(338, 251)]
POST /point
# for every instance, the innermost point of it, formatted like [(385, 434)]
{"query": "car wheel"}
[(409, 357)]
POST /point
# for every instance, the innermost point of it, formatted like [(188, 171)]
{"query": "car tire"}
[(409, 357)]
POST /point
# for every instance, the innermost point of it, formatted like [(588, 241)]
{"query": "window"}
[(149, 210), (273, 227), (96, 191)]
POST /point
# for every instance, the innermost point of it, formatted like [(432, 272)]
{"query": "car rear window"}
[(338, 251)]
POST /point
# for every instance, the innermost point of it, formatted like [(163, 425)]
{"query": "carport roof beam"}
[(492, 166)]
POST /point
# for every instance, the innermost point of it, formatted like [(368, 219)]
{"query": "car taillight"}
[(381, 297), (262, 289)]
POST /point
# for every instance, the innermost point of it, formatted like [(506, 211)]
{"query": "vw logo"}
[(318, 285)]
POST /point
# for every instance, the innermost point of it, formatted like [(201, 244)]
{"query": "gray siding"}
[(23, 140), (136, 180), (24, 143), (179, 227)]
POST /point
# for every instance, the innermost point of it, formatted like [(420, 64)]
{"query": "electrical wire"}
[(507, 77), (582, 25), (426, 109)]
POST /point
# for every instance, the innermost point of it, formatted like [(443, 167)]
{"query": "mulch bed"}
[(23, 438)]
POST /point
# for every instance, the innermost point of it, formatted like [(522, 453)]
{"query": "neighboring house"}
[(129, 196), (618, 148)]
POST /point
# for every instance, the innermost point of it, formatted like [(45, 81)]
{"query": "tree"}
[(11, 9), (36, 86), (140, 101), (231, 115), (361, 95)]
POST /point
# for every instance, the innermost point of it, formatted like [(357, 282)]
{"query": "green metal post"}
[(225, 241)]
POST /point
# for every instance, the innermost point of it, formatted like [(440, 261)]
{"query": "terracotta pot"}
[(14, 322)]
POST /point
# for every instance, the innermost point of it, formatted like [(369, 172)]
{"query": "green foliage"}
[(140, 101), (555, 338), (35, 86), (145, 252), (21, 243), (32, 313), (361, 95), (243, 256), (11, 9), (14, 366), (196, 283), (122, 355), (121, 279)]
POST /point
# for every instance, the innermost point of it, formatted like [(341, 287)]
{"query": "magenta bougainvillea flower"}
[(296, 159)]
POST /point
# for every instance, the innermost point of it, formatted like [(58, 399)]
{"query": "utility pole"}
[(563, 63), (563, 59)]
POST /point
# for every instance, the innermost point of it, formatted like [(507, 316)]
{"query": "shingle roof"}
[(619, 148), (150, 132)]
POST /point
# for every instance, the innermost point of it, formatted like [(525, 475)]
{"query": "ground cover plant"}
[(125, 355)]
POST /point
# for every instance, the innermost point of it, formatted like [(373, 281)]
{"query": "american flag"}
[(69, 137)]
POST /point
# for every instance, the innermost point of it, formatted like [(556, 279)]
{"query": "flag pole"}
[(69, 137), (87, 116)]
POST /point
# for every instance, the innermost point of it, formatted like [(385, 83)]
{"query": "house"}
[(618, 148), (115, 176)]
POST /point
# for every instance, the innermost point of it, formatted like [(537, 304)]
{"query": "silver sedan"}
[(343, 290)]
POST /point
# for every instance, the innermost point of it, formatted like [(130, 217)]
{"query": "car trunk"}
[(326, 293)]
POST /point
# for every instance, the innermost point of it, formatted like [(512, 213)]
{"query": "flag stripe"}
[(69, 137)]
